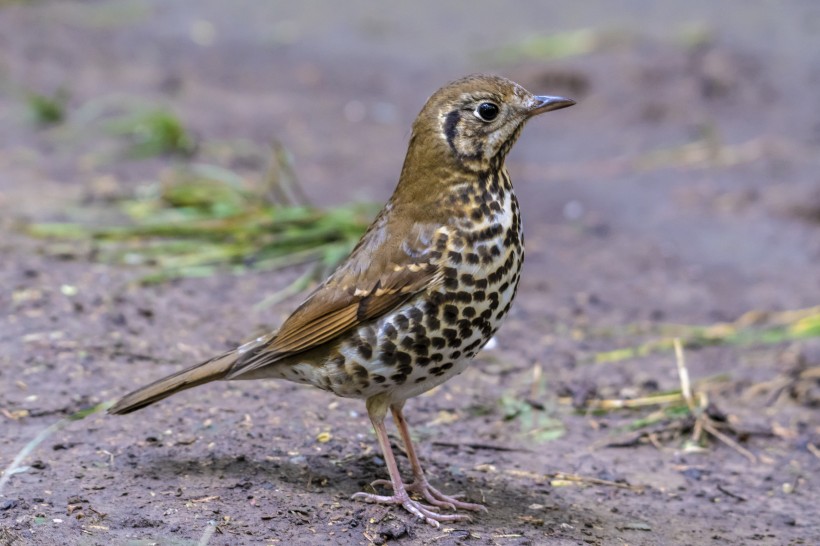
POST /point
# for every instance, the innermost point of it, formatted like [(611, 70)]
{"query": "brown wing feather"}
[(352, 295), (316, 332)]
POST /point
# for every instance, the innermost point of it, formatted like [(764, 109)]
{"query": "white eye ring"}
[(486, 111)]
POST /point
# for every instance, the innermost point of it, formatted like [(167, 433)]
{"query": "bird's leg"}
[(420, 484), (377, 409)]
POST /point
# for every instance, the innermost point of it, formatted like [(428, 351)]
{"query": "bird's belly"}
[(430, 338)]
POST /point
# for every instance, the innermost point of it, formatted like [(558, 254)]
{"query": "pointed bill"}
[(545, 103)]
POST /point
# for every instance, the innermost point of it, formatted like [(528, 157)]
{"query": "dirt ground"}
[(682, 189)]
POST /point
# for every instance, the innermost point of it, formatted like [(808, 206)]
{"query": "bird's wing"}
[(380, 274)]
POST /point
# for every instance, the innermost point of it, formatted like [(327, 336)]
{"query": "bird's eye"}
[(486, 111)]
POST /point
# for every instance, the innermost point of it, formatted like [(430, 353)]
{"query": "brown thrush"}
[(425, 288)]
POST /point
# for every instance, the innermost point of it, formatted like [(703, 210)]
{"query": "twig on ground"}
[(479, 446), (595, 481), (684, 410), (709, 426)]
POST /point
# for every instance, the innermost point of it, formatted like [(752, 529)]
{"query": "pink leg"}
[(377, 409), (420, 484)]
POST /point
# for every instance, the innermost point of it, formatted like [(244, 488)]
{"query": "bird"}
[(425, 288)]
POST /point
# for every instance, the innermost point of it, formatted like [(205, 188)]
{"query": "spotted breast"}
[(435, 334)]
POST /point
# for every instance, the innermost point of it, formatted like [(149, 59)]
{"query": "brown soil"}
[(617, 236)]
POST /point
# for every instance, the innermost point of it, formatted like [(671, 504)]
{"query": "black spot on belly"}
[(450, 314), (418, 329), (403, 358), (421, 379), (463, 297), (473, 346), (503, 311), (468, 312), (387, 354), (415, 314), (376, 378), (390, 331), (401, 321), (438, 342), (439, 370), (421, 349), (432, 304), (365, 350), (360, 371), (508, 263), (449, 334), (494, 299), (398, 378)]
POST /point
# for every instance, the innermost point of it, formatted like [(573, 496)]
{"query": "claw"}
[(420, 510), (435, 497)]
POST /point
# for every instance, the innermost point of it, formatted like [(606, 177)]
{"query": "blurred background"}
[(173, 175)]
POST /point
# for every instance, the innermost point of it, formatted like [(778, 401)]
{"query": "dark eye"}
[(487, 111)]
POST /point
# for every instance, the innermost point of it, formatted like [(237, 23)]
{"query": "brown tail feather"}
[(205, 372)]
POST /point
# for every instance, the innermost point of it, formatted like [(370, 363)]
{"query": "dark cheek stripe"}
[(451, 128)]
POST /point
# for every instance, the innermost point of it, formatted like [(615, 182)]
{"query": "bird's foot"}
[(418, 509), (435, 497)]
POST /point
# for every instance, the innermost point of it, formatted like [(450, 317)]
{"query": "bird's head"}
[(476, 120)]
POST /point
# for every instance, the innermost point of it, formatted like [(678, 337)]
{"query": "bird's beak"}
[(544, 103)]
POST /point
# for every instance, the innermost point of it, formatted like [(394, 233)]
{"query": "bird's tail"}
[(205, 372)]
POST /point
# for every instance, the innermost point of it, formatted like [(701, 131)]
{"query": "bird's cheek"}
[(494, 142)]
